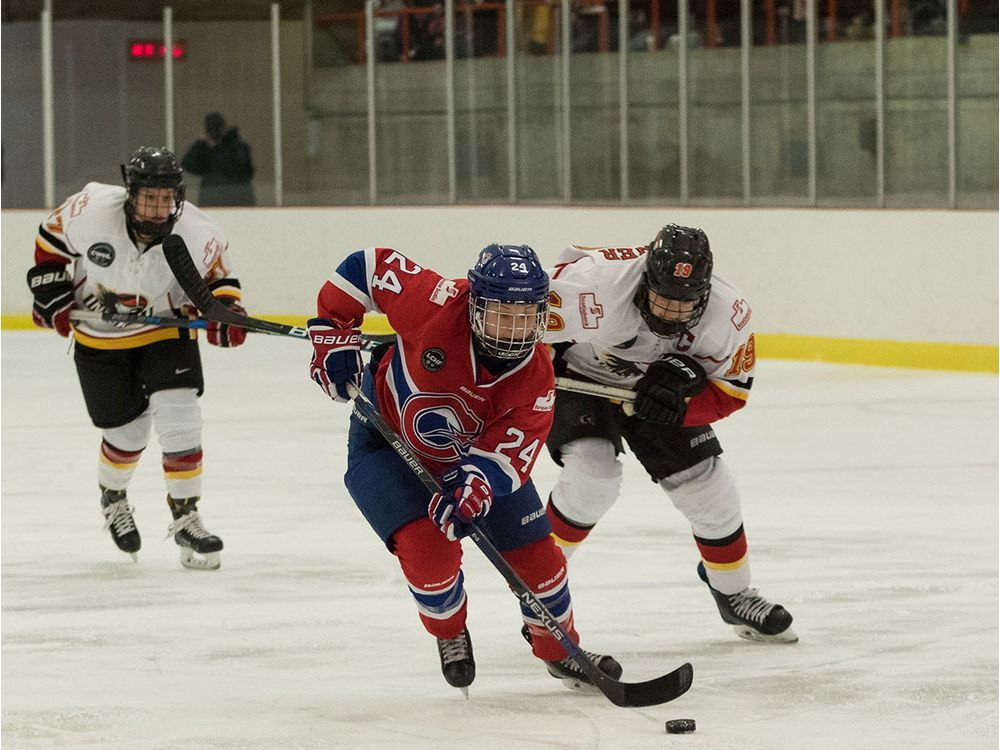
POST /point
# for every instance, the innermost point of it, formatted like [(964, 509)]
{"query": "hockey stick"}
[(368, 343), (136, 319), (624, 395), (629, 694), (179, 260), (199, 323)]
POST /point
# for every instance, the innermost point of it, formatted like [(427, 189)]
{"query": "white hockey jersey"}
[(591, 306), (110, 273)]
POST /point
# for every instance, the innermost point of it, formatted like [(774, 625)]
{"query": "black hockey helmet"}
[(678, 267), (156, 167)]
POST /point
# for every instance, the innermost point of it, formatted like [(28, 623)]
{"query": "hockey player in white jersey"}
[(656, 320), (101, 251)]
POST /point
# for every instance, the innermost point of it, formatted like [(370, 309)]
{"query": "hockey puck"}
[(680, 726)]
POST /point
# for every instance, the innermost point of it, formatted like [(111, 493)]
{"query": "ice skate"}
[(118, 520), (457, 662), (752, 616), (575, 678), (199, 548), (569, 671)]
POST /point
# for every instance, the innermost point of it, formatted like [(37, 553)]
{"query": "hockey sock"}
[(565, 532), (432, 567), (542, 566), (116, 466), (182, 472), (726, 561), (588, 486)]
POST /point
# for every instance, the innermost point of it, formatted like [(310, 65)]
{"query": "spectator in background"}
[(222, 159), (388, 42), (537, 22), (427, 40)]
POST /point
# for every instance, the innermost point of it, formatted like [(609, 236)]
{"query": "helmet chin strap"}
[(152, 230), (496, 365)]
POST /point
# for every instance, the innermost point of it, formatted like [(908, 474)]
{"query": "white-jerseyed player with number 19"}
[(657, 320)]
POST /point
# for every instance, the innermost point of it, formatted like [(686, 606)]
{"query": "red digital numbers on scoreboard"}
[(154, 49)]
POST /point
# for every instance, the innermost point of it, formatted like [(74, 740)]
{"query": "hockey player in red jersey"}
[(657, 320), (101, 251), (470, 390)]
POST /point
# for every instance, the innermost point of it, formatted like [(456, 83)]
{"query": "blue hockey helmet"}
[(677, 281), (508, 301)]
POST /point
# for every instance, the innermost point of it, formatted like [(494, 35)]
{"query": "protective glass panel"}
[(481, 121), (845, 106), (916, 106), (779, 137), (653, 112), (411, 122), (103, 111), (21, 164), (538, 81), (594, 96), (977, 66), (715, 158), (335, 165), (223, 111)]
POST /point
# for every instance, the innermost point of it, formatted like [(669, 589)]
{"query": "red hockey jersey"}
[(431, 387)]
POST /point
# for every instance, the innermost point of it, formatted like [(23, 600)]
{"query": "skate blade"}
[(134, 556), (465, 692), (748, 633), (579, 686), (194, 561)]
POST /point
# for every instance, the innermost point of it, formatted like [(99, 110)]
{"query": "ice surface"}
[(870, 500)]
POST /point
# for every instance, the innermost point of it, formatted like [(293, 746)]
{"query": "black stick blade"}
[(179, 259), (652, 692)]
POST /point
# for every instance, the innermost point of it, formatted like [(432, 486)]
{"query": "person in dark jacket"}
[(223, 161)]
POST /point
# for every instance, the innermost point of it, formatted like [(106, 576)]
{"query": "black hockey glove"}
[(51, 285), (661, 394)]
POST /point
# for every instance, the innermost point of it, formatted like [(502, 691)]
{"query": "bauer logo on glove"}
[(336, 362), (465, 496)]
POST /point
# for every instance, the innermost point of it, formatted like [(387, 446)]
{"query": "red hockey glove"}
[(336, 361), (465, 496), (51, 285), (223, 334), (661, 395)]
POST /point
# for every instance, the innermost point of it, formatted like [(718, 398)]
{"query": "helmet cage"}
[(678, 267), (503, 332), (153, 167), (508, 301)]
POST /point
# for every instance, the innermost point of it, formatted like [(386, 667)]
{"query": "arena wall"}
[(897, 288)]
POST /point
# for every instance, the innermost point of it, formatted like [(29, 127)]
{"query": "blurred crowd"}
[(407, 30)]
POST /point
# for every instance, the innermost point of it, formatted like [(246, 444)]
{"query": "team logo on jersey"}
[(621, 367), (741, 314), (432, 359), (626, 344), (110, 301), (444, 291), (546, 402), (590, 312), (101, 254), (439, 425)]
